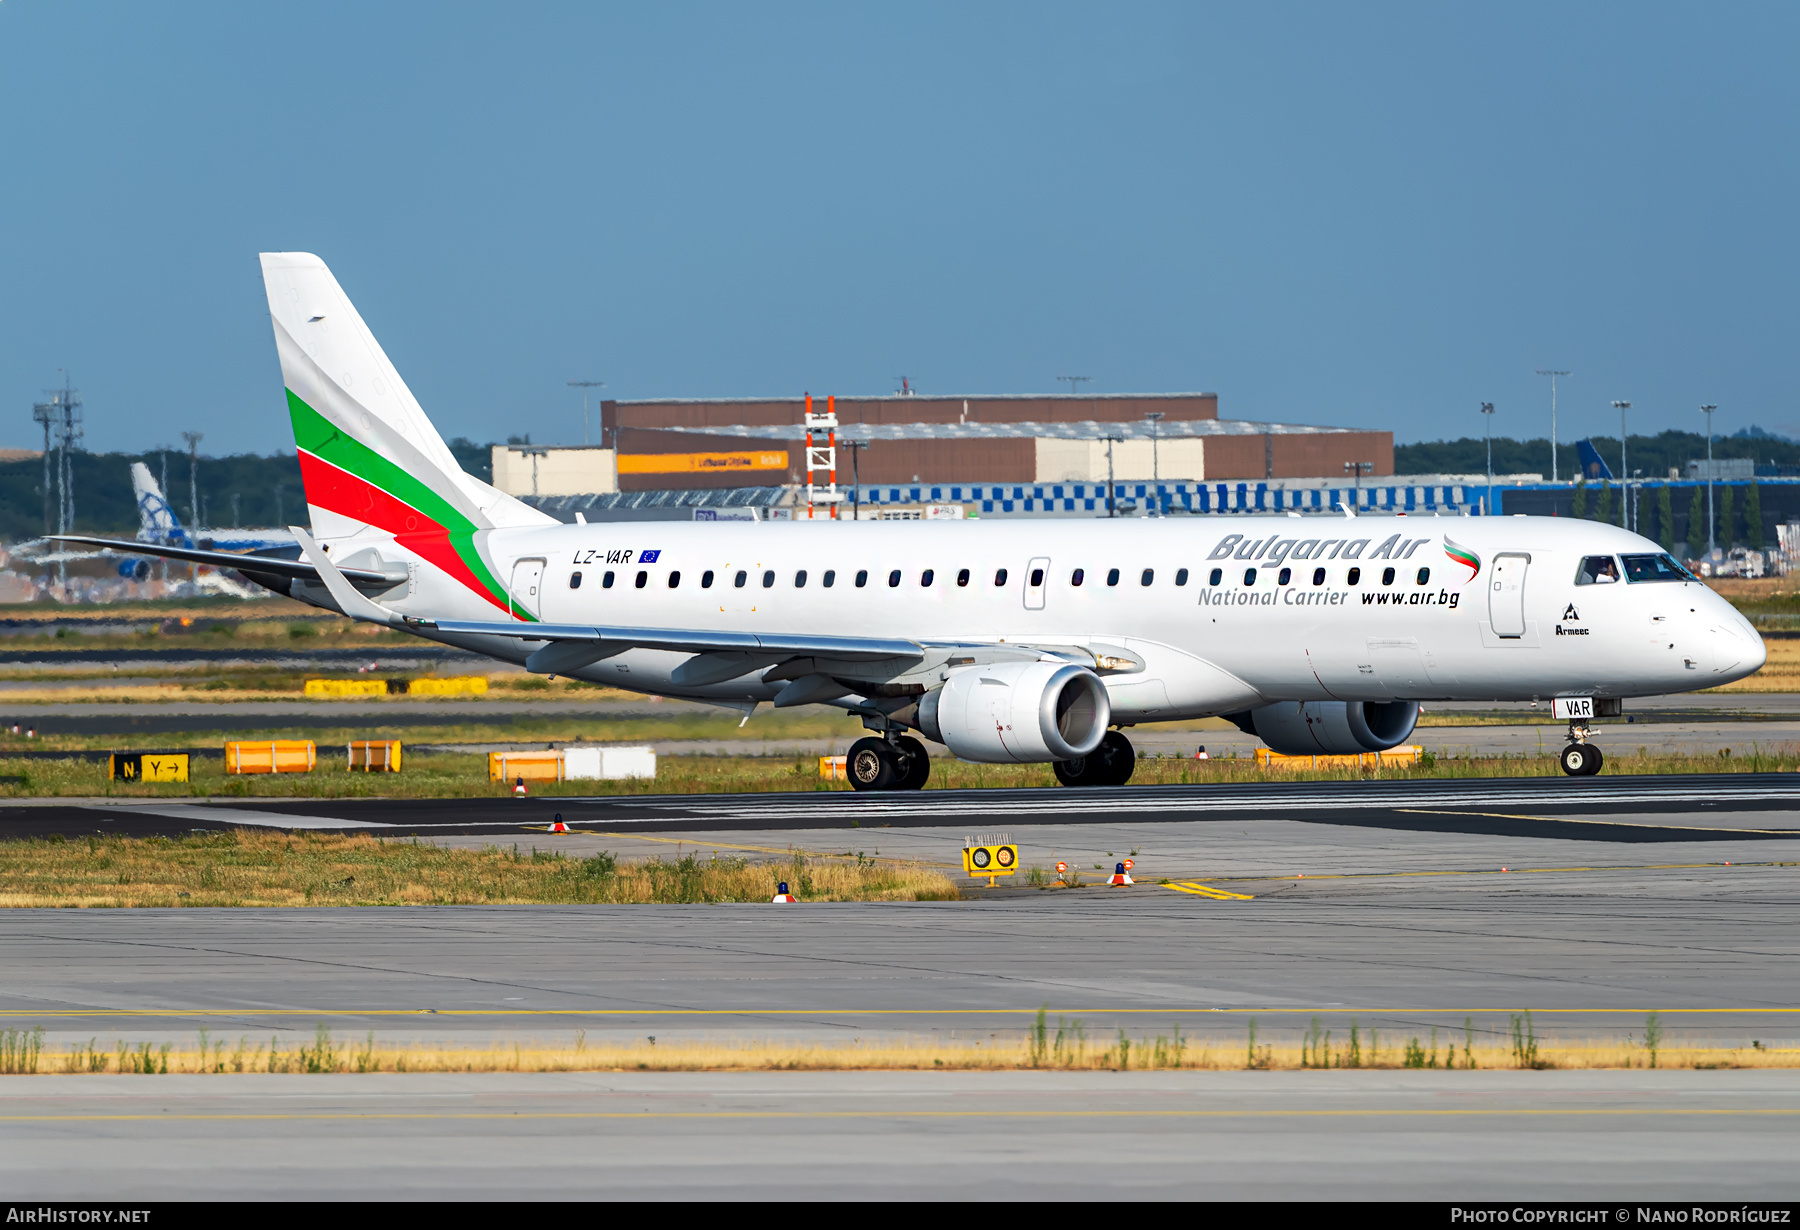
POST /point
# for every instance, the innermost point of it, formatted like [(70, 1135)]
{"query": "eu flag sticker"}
[(648, 557)]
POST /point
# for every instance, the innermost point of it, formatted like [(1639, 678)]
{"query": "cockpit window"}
[(1654, 568), (1598, 570)]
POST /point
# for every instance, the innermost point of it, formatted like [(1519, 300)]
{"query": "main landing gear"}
[(893, 762), (1580, 758), (1110, 764)]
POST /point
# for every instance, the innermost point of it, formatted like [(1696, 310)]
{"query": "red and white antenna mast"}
[(822, 457)]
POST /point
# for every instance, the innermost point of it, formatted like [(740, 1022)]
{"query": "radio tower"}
[(822, 458)]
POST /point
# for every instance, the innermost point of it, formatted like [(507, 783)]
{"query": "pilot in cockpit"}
[(1598, 570)]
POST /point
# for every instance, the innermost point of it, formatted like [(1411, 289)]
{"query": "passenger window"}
[(1037, 577), (706, 579), (1597, 570), (1318, 576), (1286, 575), (862, 578), (962, 578), (1180, 577), (1218, 574), (894, 579), (925, 578), (769, 579), (829, 579), (800, 579), (1112, 576), (741, 578), (574, 580), (674, 579), (1424, 576), (1355, 576), (606, 581), (1076, 577), (1387, 576), (643, 579), (1000, 577), (1249, 576), (1148, 577)]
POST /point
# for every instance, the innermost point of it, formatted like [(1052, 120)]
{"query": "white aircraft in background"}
[(1015, 641)]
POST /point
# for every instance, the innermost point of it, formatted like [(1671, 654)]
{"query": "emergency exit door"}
[(1037, 579), (1506, 595)]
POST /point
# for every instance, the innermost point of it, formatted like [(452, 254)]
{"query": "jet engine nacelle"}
[(1018, 712), (1330, 727)]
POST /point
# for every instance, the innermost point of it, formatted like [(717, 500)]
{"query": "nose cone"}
[(1737, 649)]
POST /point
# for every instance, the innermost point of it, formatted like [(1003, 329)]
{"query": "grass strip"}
[(245, 868), (1069, 1049)]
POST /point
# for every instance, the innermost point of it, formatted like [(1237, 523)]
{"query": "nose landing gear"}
[(1580, 758)]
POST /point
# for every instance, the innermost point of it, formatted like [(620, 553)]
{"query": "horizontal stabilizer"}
[(268, 565)]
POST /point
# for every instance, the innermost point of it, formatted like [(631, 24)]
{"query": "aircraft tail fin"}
[(1593, 465), (369, 457), (156, 519)]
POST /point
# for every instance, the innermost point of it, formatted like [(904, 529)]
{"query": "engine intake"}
[(1018, 712), (1329, 727)]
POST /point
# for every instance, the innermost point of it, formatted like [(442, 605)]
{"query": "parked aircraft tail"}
[(1593, 465), (156, 519)]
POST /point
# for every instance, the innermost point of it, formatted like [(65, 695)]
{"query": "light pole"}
[(1710, 545), (1624, 473), (584, 386), (1487, 415), (1544, 371), (1110, 441), (1155, 417)]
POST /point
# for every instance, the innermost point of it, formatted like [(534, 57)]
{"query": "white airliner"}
[(1004, 641)]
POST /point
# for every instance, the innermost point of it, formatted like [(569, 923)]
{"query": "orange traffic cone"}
[(519, 787), (782, 896), (557, 825), (1120, 875)]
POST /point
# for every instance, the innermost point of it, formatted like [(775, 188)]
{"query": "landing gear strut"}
[(1110, 764), (892, 762), (1580, 758)]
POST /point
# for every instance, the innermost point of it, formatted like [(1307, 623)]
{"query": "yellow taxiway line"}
[(1204, 890)]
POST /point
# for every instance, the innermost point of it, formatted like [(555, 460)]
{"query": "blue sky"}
[(1362, 215)]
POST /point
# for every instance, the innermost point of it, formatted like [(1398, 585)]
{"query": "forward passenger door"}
[(1506, 595)]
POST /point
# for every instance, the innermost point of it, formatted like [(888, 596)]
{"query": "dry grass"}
[(244, 868), (452, 775), (1066, 1049)]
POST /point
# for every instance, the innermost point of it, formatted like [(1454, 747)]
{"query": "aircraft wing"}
[(266, 564), (854, 648)]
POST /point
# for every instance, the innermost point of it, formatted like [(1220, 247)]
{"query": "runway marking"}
[(233, 815), (1032, 1112), (1493, 871), (1203, 890), (415, 1013), (1623, 824)]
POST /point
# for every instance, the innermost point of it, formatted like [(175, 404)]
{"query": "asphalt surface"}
[(1619, 810), (1402, 908), (1610, 1138)]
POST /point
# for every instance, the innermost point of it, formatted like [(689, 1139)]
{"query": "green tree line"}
[(267, 490), (1654, 455)]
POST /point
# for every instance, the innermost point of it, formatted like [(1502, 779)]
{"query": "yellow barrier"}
[(372, 755), (1366, 760), (271, 756), (532, 766), (463, 685), (346, 687), (834, 768)]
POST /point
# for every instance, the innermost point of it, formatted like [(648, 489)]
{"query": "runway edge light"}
[(557, 825), (1120, 875), (782, 896)]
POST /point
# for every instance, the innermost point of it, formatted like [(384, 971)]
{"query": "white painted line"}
[(235, 815)]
